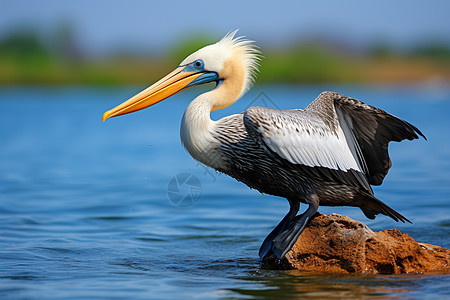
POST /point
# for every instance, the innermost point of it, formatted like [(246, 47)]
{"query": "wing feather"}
[(368, 131), (301, 138), (304, 138)]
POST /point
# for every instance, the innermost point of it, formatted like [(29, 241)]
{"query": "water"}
[(85, 212)]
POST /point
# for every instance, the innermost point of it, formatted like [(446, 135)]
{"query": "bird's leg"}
[(267, 244), (287, 238)]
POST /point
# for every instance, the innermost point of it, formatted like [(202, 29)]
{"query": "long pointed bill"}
[(163, 89)]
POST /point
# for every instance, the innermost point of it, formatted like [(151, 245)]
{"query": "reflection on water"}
[(304, 285), (85, 211)]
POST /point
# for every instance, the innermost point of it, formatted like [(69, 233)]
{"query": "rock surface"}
[(339, 244)]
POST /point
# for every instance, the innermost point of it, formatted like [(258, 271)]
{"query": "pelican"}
[(329, 153)]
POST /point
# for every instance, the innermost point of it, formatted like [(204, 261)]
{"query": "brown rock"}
[(339, 244)]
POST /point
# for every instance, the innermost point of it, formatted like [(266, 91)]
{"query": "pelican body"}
[(327, 154)]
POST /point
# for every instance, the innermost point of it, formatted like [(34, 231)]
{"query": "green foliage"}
[(382, 50), (24, 47), (305, 63), (23, 56), (435, 51), (25, 59)]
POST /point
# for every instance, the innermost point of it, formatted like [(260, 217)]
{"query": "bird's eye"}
[(198, 63)]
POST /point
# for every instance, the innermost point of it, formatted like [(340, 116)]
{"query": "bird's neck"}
[(197, 128)]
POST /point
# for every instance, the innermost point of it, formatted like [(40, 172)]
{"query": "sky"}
[(102, 26)]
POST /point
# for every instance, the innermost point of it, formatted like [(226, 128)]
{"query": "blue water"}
[(85, 212)]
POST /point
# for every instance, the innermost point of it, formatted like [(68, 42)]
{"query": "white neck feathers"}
[(197, 127)]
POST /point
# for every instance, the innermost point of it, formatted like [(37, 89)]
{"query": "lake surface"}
[(86, 208)]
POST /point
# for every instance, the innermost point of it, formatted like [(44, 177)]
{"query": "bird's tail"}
[(373, 207)]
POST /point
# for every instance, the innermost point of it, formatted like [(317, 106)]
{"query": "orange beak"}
[(173, 83)]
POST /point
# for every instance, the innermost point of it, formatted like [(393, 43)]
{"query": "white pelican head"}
[(231, 63)]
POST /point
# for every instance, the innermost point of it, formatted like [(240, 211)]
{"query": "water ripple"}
[(84, 211)]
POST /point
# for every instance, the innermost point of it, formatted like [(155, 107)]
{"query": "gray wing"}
[(308, 140), (368, 131)]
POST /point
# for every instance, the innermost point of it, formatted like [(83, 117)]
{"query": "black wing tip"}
[(417, 132), (421, 134), (404, 130)]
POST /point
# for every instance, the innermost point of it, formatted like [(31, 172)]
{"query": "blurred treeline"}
[(26, 58)]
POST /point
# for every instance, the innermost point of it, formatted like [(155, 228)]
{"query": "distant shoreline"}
[(25, 59)]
